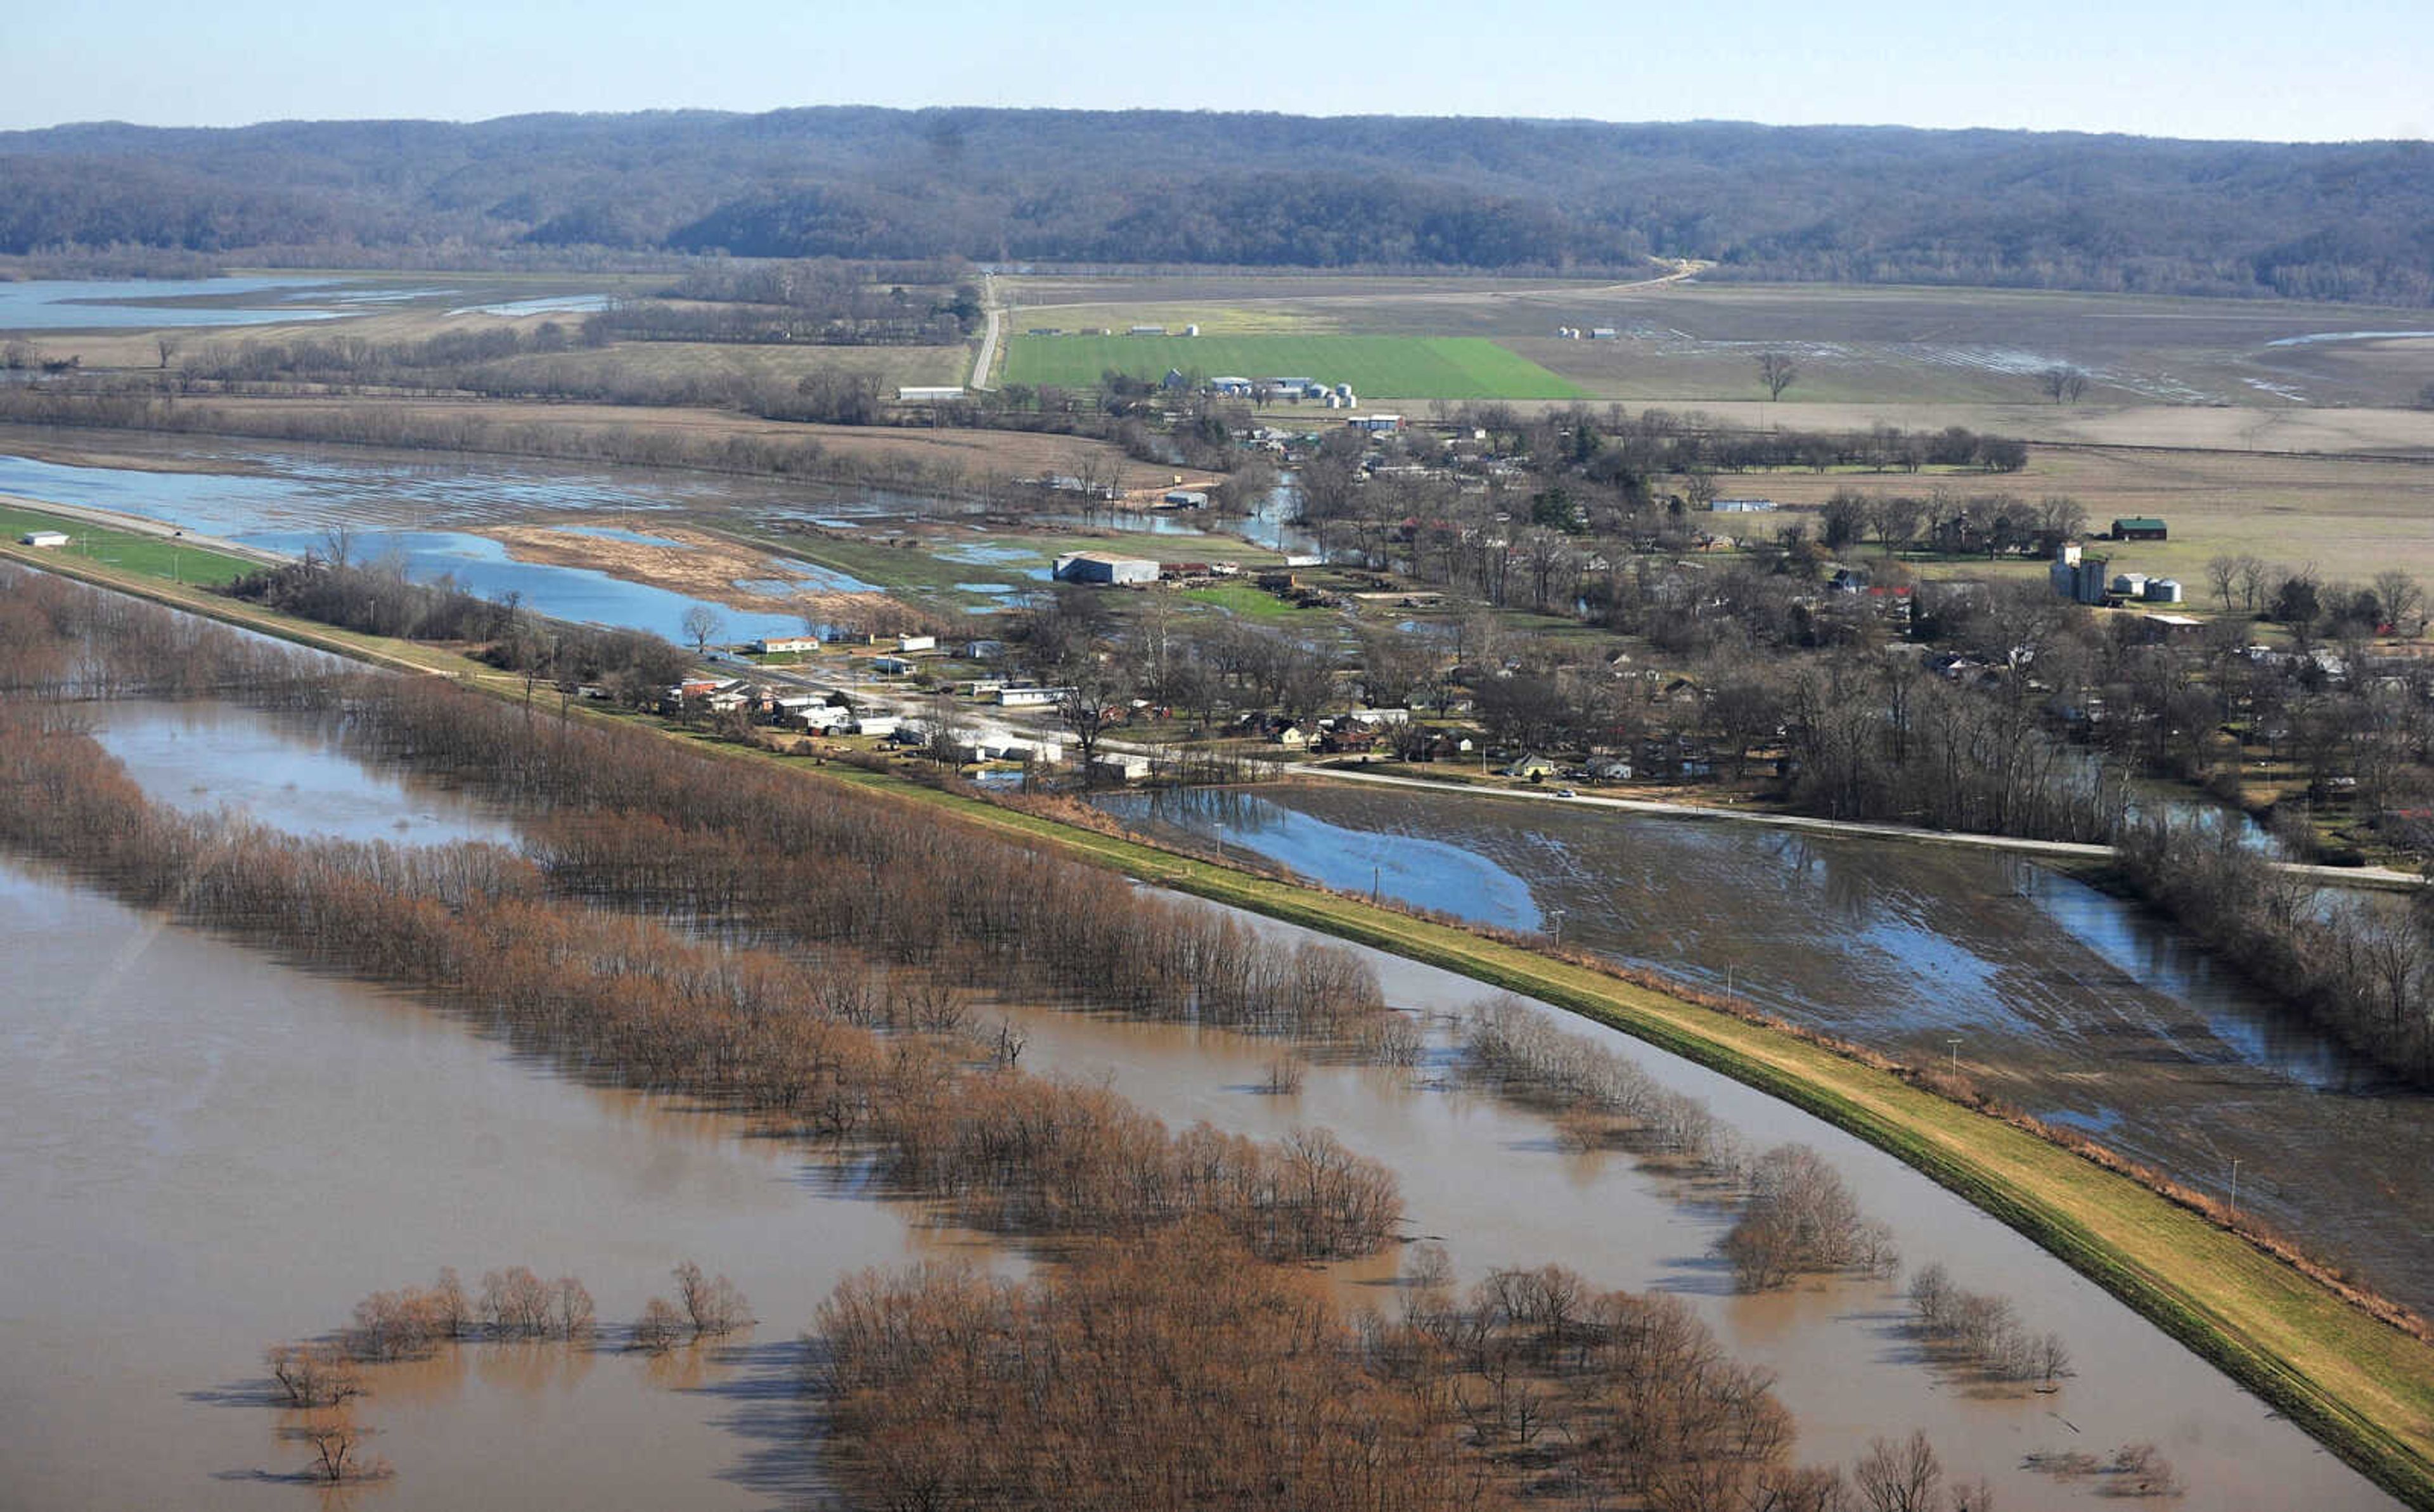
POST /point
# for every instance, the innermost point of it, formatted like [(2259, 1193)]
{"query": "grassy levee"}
[(2360, 1387), (2363, 1388)]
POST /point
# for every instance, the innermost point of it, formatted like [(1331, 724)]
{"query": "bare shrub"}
[(659, 1327), (1284, 1077), (315, 1375), (712, 1305)]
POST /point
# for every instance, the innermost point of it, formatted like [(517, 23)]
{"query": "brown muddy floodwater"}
[(204, 1151), (1489, 1180), (2086, 1009)]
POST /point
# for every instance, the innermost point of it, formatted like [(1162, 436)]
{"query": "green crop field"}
[(1375, 367), (149, 555)]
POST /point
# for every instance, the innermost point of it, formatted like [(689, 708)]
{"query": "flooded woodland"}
[(227, 1142), (2082, 1008)]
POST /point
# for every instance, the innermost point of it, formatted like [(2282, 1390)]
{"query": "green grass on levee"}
[(153, 555), (1377, 367)]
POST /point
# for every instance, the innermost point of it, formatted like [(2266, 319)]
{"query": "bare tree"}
[(1778, 371), (1094, 700), (1905, 1477), (2402, 600), (701, 623), (2223, 575), (167, 346), (2062, 383)]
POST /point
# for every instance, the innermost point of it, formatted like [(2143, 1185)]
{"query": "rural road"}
[(992, 334)]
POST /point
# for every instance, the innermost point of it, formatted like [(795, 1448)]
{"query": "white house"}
[(911, 643)]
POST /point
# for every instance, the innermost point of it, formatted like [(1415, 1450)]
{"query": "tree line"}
[(1169, 1372), (1843, 204)]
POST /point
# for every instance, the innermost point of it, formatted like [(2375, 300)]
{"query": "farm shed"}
[(44, 537), (1103, 567), (2138, 528)]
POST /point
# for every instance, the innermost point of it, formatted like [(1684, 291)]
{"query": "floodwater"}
[(426, 513), (144, 304), (209, 757), (1489, 1179), (204, 1152), (2082, 1008)]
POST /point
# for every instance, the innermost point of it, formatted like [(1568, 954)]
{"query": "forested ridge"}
[(2341, 221)]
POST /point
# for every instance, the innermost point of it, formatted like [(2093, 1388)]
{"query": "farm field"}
[(1375, 367), (1696, 340), (150, 555), (2351, 517)]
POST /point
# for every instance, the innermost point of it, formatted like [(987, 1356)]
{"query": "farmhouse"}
[(1103, 567), (929, 393), (2138, 528), (44, 537)]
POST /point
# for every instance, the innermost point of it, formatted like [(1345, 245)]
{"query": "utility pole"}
[(2234, 1186), (1955, 1044)]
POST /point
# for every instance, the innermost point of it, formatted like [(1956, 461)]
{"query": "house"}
[(1125, 766), (785, 645), (1379, 718), (1292, 737), (826, 719), (1610, 768), (1105, 567), (1032, 697), (911, 643), (890, 666), (2139, 527), (929, 393), (44, 537), (1376, 424), (882, 725), (1533, 767)]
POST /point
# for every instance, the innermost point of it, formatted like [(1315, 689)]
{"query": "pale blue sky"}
[(2227, 68)]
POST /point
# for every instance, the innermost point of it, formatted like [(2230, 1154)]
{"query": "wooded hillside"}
[(2352, 221)]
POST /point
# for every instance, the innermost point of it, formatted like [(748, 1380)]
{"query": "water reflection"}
[(2079, 1006)]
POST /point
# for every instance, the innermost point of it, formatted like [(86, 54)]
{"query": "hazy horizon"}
[(2233, 71)]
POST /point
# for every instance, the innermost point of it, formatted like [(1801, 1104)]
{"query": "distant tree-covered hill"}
[(1859, 204)]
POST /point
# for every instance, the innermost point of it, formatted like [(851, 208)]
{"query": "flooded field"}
[(222, 1152), (2082, 1008)]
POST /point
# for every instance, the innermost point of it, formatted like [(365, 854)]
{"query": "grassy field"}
[(150, 556), (1375, 367), (1696, 342), (675, 361), (2351, 517)]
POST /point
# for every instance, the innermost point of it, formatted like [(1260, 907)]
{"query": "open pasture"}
[(2351, 517), (1375, 367)]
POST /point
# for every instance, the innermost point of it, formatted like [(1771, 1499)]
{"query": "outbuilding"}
[(2138, 528), (1105, 567), (44, 537)]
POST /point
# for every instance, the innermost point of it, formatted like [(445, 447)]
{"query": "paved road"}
[(995, 315)]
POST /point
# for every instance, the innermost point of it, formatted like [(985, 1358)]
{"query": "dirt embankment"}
[(694, 563)]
